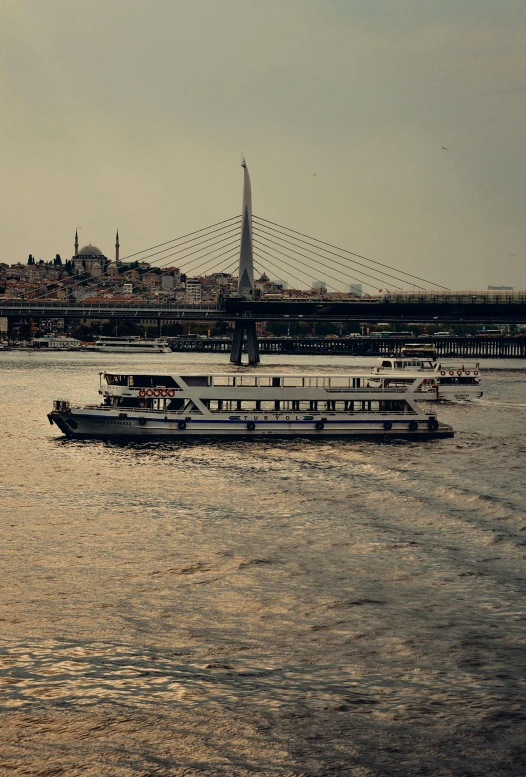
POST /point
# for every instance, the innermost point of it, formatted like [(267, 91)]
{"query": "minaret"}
[(117, 246), (76, 243), (246, 259)]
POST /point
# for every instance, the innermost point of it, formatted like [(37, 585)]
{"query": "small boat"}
[(438, 381), (131, 345), (419, 351), (143, 406)]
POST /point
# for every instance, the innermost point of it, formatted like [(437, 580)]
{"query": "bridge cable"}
[(344, 250), (213, 258), (324, 269), (334, 261), (223, 230), (175, 239), (309, 267), (266, 259), (310, 278), (86, 281), (230, 252), (226, 270)]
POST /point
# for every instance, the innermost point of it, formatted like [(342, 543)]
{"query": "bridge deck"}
[(417, 308)]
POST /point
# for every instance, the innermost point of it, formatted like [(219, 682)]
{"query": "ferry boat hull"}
[(77, 424)]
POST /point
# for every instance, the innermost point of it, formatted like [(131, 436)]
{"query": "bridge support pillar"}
[(242, 327), (252, 343)]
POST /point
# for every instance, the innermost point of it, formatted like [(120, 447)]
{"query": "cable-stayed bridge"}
[(232, 253)]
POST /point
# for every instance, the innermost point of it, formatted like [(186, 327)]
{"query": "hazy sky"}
[(134, 113)]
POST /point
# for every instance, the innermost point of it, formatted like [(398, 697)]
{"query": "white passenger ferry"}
[(131, 345), (247, 404), (439, 381)]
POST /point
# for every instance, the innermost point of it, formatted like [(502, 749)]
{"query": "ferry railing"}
[(230, 413), (125, 411)]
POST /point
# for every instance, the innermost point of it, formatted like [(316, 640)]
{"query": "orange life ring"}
[(459, 372), (157, 392), (467, 372), (171, 392), (142, 393), (442, 372), (451, 372), (475, 372), (148, 393)]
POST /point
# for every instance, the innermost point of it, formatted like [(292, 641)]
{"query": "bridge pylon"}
[(246, 279), (245, 285)]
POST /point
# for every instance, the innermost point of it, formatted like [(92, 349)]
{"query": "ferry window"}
[(386, 364), (130, 402), (399, 365), (117, 380), (175, 404), (150, 381), (190, 407), (339, 382)]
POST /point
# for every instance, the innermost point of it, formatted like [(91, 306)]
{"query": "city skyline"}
[(393, 134)]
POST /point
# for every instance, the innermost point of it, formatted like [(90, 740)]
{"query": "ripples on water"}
[(232, 608)]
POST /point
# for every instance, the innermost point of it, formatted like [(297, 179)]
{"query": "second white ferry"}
[(248, 405), (439, 381), (131, 345)]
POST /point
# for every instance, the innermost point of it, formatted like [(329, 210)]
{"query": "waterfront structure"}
[(501, 288), (253, 405), (55, 343)]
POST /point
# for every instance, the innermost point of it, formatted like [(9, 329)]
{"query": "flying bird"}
[(510, 255), (445, 149)]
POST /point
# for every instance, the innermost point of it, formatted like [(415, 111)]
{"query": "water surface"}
[(262, 607)]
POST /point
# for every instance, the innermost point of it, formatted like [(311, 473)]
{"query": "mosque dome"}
[(90, 251)]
